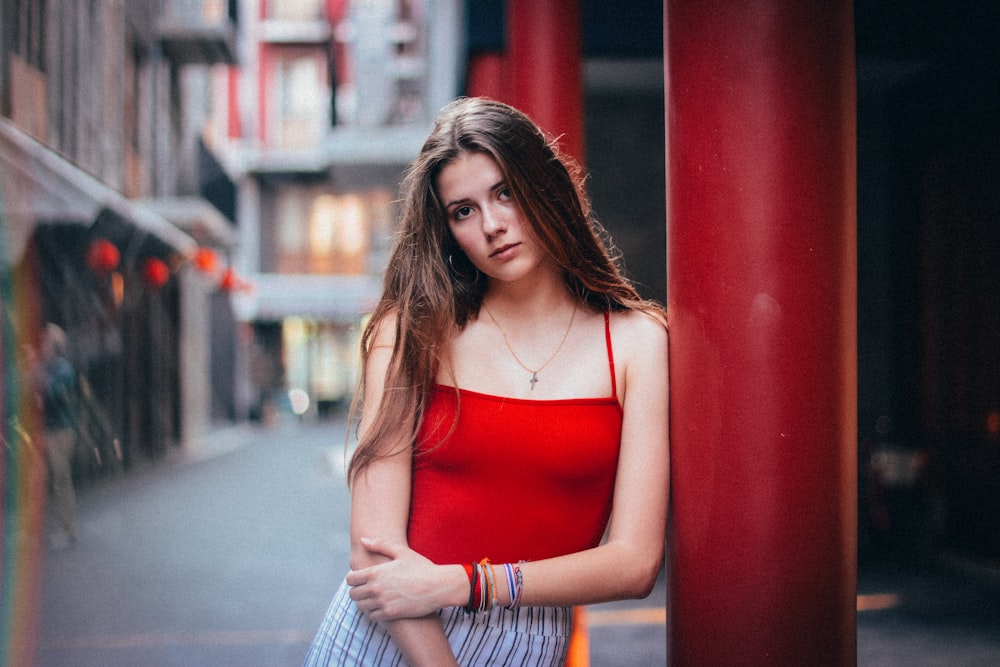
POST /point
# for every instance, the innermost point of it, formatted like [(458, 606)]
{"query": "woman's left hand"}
[(406, 586)]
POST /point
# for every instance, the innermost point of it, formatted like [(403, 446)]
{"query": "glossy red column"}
[(762, 295), (546, 72), (487, 76)]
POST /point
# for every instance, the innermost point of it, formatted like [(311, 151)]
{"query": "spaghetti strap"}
[(611, 355)]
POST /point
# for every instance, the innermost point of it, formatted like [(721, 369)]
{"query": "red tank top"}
[(515, 479)]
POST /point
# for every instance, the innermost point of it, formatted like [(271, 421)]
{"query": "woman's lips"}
[(504, 251)]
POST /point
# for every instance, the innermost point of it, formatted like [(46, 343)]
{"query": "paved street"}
[(942, 618), (229, 558)]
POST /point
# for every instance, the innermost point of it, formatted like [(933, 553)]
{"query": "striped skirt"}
[(525, 637)]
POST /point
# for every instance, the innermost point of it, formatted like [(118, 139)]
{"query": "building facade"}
[(330, 102), (110, 193)]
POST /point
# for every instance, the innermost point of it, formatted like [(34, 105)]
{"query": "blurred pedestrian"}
[(57, 387), (514, 408)]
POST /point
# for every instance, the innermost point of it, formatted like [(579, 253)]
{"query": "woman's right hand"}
[(407, 585)]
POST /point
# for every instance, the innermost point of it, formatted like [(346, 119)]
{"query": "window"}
[(300, 90), (320, 232), (294, 10), (28, 19), (25, 98)]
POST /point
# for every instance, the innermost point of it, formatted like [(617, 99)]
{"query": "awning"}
[(37, 185), (341, 299), (196, 217)]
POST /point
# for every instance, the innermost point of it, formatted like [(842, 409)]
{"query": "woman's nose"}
[(493, 222)]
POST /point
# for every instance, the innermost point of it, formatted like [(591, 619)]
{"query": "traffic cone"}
[(578, 654)]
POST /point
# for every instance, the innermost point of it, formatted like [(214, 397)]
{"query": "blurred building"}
[(117, 218), (202, 192), (330, 102)]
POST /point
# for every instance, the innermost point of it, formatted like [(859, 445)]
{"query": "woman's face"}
[(488, 226)]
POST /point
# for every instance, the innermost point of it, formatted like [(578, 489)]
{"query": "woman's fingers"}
[(369, 603), (402, 587), (357, 578), (363, 576)]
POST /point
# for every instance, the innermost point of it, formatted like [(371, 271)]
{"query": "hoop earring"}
[(459, 274)]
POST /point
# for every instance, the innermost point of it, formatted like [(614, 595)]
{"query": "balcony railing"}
[(199, 31)]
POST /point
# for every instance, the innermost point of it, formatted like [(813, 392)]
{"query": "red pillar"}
[(487, 77), (545, 58), (762, 298)]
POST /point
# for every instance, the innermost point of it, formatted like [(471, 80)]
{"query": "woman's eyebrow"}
[(493, 188)]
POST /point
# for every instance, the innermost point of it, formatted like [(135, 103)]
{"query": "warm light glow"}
[(118, 288), (102, 256), (323, 227), (295, 330), (337, 225), (352, 226), (231, 281), (877, 601), (640, 616), (154, 272), (993, 424), (206, 260)]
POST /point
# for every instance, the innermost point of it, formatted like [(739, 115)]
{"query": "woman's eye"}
[(503, 194), (461, 212)]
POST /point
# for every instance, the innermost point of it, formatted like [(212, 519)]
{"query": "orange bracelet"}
[(489, 586)]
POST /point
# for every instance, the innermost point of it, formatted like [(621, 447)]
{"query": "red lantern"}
[(230, 281), (154, 272), (102, 256), (206, 260)]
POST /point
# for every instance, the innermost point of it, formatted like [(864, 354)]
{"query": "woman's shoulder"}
[(381, 328), (638, 333), (639, 323)]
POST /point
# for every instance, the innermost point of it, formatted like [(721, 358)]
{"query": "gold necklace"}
[(534, 371)]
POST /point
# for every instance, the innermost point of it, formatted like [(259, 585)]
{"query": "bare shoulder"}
[(383, 330), (641, 364), (638, 335)]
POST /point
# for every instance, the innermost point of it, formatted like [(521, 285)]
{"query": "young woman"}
[(513, 454)]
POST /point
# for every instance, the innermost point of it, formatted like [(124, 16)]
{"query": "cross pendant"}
[(533, 380)]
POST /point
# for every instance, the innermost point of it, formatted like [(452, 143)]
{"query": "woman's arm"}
[(627, 564), (624, 566), (380, 505)]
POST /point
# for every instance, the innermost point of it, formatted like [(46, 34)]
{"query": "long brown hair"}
[(431, 287)]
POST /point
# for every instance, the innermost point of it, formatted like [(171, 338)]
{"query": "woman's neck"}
[(538, 300)]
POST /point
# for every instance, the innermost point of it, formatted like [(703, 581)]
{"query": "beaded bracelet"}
[(483, 586), (515, 583)]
